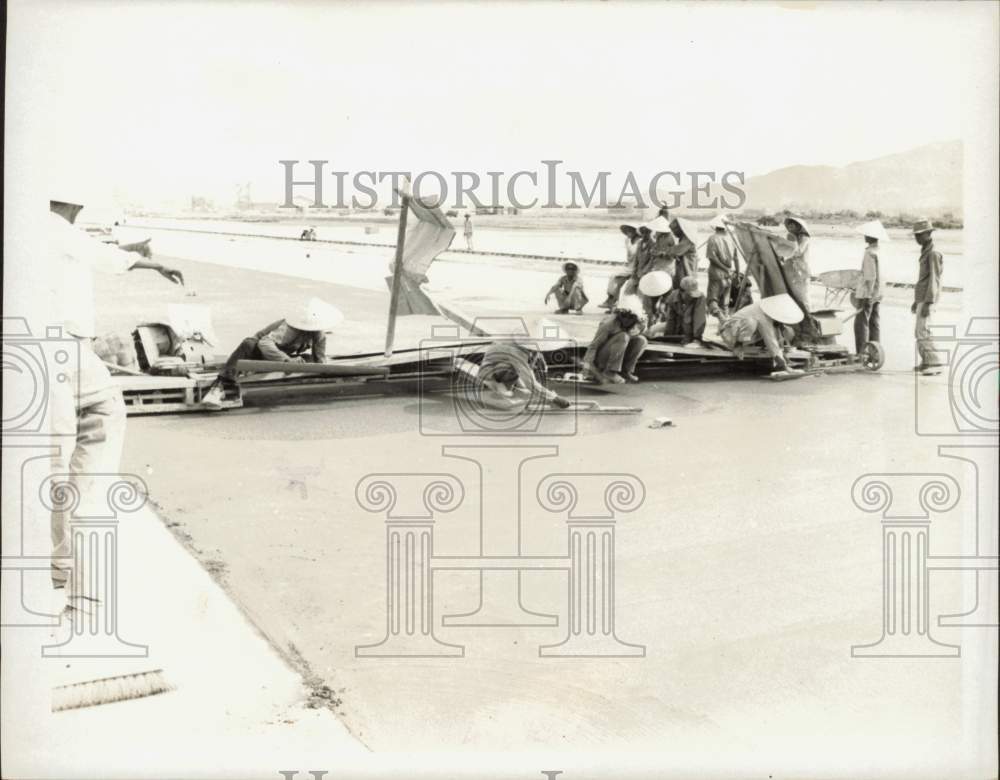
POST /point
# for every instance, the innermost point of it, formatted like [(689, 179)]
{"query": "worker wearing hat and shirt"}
[(868, 293), (95, 412), (925, 296), (721, 255), (569, 291), (683, 252), (299, 338), (762, 321)]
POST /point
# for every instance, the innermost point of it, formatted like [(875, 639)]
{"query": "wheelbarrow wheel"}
[(872, 356)]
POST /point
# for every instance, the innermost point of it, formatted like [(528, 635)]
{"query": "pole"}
[(746, 263), (390, 333)]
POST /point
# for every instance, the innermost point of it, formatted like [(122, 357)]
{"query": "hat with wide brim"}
[(688, 228), (718, 221), (655, 283), (874, 229), (782, 308), (922, 226), (316, 315), (626, 229), (658, 225), (800, 222)]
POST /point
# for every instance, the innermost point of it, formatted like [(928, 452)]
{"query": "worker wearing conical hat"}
[(721, 262), (868, 292), (682, 253), (299, 338), (762, 321)]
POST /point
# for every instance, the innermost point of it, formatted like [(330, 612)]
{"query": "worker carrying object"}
[(299, 338)]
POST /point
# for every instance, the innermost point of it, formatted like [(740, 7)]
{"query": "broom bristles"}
[(105, 690)]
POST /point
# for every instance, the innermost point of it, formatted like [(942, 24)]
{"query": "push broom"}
[(100, 667)]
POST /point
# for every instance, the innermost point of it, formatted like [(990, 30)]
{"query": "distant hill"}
[(926, 180)]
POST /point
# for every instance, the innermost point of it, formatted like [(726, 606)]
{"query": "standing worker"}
[(467, 232), (925, 296), (95, 414), (683, 253), (721, 256), (868, 293), (620, 277)]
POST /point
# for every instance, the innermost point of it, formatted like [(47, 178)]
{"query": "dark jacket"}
[(928, 288)]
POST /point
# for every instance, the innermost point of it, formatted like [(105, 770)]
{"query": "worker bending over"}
[(511, 372), (299, 338), (750, 325), (569, 291), (617, 345)]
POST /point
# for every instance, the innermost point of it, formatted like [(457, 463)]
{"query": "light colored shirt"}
[(869, 285), (720, 254), (764, 327), (74, 257)]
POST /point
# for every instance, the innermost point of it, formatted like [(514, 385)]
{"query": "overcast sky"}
[(167, 100)]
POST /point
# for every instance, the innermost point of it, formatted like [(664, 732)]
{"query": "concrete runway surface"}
[(747, 573)]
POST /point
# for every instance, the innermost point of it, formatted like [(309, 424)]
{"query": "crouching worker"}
[(751, 325), (298, 338), (569, 291), (617, 345), (510, 373), (682, 312)]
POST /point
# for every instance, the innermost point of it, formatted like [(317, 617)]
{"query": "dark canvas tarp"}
[(770, 261), (767, 255)]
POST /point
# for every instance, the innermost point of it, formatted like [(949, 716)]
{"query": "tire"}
[(872, 356)]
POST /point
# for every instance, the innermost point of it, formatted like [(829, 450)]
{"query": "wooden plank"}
[(328, 369), (147, 382)]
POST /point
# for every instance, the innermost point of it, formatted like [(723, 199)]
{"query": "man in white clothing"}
[(94, 413)]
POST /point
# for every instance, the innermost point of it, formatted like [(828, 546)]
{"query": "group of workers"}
[(654, 294), (658, 281)]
